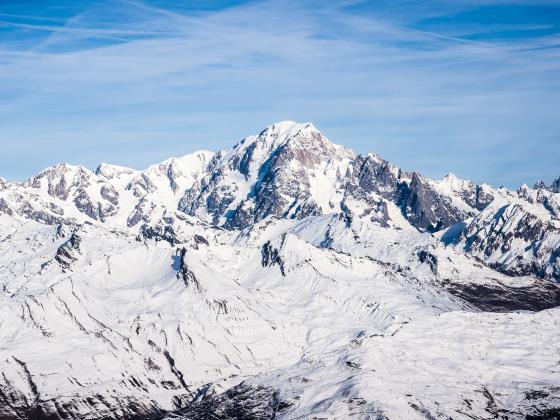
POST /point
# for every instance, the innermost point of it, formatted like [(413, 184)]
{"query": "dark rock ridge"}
[(243, 401), (425, 208), (497, 297), (271, 256), (159, 233), (185, 273), (68, 252), (28, 403), (497, 238), (554, 187)]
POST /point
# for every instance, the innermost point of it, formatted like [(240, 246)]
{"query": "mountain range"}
[(287, 277)]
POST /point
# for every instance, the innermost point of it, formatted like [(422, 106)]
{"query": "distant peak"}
[(189, 158), (539, 185), (275, 135), (288, 125), (292, 132), (63, 168), (186, 162), (374, 157), (109, 171), (554, 187), (287, 129), (454, 181)]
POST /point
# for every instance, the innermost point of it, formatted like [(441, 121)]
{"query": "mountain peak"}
[(455, 182), (253, 151), (451, 177), (59, 171), (555, 186), (110, 171), (61, 168), (289, 127), (284, 132), (199, 155)]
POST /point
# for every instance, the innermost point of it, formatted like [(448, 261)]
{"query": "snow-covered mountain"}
[(288, 277)]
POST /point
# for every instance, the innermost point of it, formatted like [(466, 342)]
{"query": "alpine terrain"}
[(286, 278)]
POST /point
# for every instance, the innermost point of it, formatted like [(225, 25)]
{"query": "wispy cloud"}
[(132, 82)]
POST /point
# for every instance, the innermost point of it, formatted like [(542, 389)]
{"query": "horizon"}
[(433, 87)]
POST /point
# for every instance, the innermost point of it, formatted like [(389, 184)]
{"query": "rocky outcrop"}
[(18, 405), (514, 241), (272, 174), (425, 208), (372, 174), (159, 233), (185, 273), (553, 187), (497, 297), (426, 257), (69, 251), (243, 401), (271, 256)]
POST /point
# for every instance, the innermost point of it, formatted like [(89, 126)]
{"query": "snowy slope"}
[(518, 233), (113, 195), (285, 278)]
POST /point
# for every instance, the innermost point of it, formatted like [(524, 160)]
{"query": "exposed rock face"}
[(240, 402), (159, 233), (68, 252), (373, 174), (476, 197), (142, 212), (500, 298), (546, 195), (109, 193), (514, 241), (292, 171), (425, 208), (200, 240), (271, 256), (20, 399), (5, 208), (554, 187), (90, 194), (186, 274), (277, 173), (428, 258)]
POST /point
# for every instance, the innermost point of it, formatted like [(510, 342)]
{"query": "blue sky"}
[(468, 86)]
